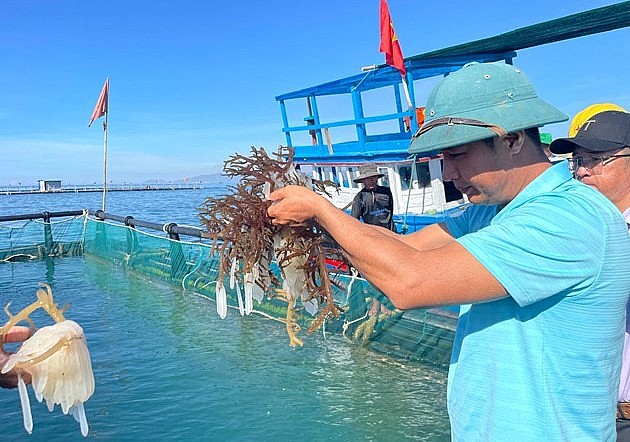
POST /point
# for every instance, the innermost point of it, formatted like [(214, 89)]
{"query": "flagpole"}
[(102, 108), (105, 159)]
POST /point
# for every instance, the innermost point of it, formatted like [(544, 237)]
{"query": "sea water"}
[(168, 368)]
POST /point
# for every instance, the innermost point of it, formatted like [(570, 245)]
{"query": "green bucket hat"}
[(479, 101)]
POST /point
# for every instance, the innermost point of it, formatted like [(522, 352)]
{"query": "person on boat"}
[(17, 333), (373, 204), (540, 264), (601, 159)]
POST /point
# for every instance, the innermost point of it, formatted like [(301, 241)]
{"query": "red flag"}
[(389, 41), (101, 105)]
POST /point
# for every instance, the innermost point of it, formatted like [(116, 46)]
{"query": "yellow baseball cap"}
[(586, 113)]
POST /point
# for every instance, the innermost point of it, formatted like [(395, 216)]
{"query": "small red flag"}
[(101, 105), (389, 41)]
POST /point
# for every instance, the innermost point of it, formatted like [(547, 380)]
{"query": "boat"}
[(183, 256), (420, 195), (333, 149)]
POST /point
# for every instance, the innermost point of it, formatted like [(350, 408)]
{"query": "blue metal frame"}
[(391, 146)]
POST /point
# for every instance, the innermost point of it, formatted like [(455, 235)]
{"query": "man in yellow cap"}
[(580, 118), (601, 159), (537, 264)]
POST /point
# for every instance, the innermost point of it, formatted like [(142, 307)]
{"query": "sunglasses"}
[(591, 163)]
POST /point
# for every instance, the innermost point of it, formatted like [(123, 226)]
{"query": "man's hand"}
[(16, 334), (294, 205)]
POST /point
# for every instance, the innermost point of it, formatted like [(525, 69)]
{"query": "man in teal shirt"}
[(540, 264)]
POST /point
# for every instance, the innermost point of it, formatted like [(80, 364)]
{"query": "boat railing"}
[(354, 122), (324, 145)]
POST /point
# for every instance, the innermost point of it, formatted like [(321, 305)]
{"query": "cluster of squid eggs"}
[(57, 359)]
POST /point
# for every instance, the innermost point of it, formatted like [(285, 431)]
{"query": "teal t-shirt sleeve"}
[(472, 219), (533, 251)]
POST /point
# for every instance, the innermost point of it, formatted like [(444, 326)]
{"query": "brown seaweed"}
[(243, 233)]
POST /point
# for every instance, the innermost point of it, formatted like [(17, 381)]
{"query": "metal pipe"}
[(40, 215), (171, 229)]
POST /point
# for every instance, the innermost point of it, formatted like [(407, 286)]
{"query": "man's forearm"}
[(373, 251)]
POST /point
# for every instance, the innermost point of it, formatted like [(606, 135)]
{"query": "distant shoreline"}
[(84, 189)]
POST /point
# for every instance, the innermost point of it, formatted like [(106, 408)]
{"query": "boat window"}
[(423, 176), (421, 179), (405, 176), (384, 181)]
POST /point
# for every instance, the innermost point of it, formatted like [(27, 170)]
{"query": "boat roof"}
[(499, 47), (594, 21)]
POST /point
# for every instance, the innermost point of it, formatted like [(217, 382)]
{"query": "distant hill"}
[(212, 178)]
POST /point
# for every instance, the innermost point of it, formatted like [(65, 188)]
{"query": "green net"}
[(368, 317), (30, 239)]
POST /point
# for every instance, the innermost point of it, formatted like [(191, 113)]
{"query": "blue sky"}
[(193, 82)]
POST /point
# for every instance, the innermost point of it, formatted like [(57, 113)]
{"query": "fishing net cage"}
[(37, 238), (187, 261)]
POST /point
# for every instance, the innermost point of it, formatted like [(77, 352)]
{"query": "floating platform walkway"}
[(115, 188)]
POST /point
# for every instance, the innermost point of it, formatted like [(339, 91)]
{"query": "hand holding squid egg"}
[(56, 358)]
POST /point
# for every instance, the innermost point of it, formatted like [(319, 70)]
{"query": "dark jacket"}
[(375, 207)]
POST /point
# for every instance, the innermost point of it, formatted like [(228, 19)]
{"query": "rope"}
[(363, 79), (27, 222), (347, 323), (51, 222), (355, 274), (194, 269), (18, 255)]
